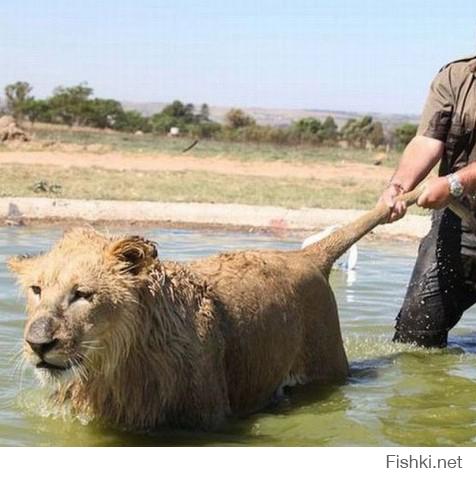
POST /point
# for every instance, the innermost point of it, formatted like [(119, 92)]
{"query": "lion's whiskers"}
[(78, 369), (19, 365), (19, 369), (93, 345), (16, 351)]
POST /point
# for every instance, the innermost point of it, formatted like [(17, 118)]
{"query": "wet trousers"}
[(441, 288)]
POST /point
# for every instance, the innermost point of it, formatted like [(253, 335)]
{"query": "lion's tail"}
[(329, 249)]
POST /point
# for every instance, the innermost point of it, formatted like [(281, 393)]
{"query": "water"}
[(396, 395)]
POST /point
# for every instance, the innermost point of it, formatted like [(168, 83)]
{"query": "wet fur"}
[(187, 345)]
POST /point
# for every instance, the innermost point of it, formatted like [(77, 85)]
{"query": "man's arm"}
[(426, 149), (418, 159), (437, 192)]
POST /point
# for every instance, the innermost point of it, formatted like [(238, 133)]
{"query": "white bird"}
[(347, 262)]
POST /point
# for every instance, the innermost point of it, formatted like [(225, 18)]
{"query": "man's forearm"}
[(467, 176), (418, 159)]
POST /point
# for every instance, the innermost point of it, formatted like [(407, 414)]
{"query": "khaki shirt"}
[(450, 116), (450, 113)]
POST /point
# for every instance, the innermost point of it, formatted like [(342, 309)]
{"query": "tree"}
[(204, 112), (178, 110), (237, 118), (161, 123), (17, 95), (308, 125), (104, 113), (404, 134), (377, 135), (312, 129), (182, 116), (37, 110), (205, 129), (329, 129), (132, 121), (72, 106), (358, 131)]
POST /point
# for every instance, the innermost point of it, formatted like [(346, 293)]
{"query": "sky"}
[(361, 56)]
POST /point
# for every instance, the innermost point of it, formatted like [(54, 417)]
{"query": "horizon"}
[(336, 56), (226, 107)]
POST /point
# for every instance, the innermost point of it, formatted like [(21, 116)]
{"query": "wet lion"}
[(142, 343)]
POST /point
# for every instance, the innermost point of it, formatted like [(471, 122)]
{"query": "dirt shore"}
[(18, 210), (279, 220)]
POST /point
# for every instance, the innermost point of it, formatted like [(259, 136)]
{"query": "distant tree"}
[(358, 131), (179, 110), (72, 106), (182, 116), (17, 95), (204, 112), (308, 125), (377, 134), (237, 118), (104, 113), (205, 129), (311, 129), (161, 123), (404, 134), (132, 121), (37, 110), (329, 129), (189, 110)]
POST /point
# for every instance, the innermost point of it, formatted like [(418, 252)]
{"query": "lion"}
[(142, 343)]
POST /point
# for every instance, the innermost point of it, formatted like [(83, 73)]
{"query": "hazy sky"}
[(366, 55)]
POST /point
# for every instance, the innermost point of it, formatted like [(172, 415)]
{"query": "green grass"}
[(153, 144), (94, 183)]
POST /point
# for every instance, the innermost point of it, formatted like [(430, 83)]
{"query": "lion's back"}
[(269, 305)]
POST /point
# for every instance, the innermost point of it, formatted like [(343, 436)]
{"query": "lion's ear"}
[(136, 252)]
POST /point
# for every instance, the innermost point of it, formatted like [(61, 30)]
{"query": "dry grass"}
[(152, 144), (95, 183), (79, 183)]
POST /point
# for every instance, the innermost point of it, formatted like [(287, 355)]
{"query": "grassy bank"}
[(150, 144), (80, 183)]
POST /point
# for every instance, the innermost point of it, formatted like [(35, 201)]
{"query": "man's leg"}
[(441, 286)]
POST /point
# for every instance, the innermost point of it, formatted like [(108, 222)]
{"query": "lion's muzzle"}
[(40, 336), (42, 342)]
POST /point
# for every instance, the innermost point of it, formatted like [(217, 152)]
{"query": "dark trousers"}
[(442, 286)]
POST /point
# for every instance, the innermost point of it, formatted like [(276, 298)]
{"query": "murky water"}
[(396, 395)]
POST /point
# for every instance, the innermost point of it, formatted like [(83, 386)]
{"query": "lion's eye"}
[(81, 294), (36, 290)]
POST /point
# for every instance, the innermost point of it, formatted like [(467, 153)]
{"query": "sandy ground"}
[(279, 220), (163, 162), (276, 219)]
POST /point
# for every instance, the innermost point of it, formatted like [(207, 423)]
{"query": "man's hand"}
[(436, 194), (397, 208), (419, 157)]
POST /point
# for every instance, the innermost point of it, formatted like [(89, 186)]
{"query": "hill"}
[(281, 116)]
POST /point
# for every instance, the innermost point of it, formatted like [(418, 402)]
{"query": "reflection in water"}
[(396, 394)]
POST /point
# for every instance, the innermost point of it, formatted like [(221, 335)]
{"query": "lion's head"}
[(82, 297)]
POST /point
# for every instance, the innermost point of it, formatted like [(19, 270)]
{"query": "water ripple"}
[(396, 395)]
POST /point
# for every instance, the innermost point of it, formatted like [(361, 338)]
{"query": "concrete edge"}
[(18, 209)]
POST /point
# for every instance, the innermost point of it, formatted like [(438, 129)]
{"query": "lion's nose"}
[(40, 336), (42, 347)]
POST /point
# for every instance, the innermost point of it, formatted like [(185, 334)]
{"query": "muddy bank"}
[(19, 210)]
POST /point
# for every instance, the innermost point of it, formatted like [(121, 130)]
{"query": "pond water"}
[(396, 394)]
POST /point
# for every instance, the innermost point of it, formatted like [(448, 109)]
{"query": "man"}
[(443, 283)]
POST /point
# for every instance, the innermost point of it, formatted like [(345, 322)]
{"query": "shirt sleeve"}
[(435, 121)]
